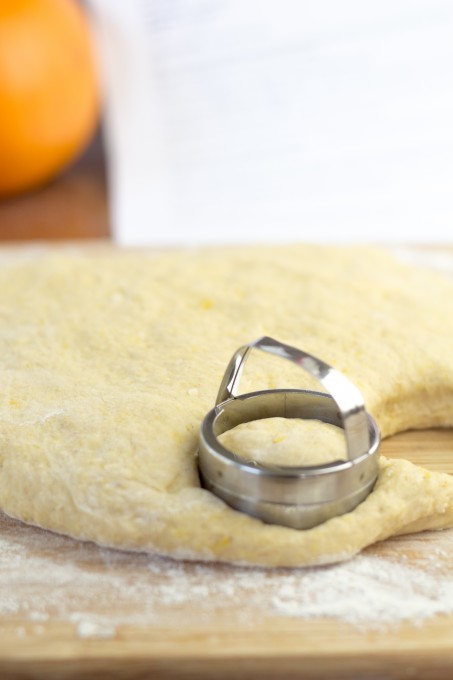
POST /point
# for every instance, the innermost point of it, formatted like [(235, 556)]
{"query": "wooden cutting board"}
[(71, 610), (75, 610)]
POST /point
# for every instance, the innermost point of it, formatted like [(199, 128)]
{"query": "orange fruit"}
[(48, 90)]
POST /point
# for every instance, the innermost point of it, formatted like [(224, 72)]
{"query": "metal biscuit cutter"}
[(298, 497)]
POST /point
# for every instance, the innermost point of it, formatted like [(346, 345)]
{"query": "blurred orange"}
[(48, 90)]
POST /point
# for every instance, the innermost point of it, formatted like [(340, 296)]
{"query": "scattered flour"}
[(368, 590), (46, 578), (93, 629)]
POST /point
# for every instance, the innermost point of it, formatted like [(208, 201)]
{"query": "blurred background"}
[(160, 122)]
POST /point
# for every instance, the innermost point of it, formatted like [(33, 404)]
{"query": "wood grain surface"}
[(183, 640), (72, 206)]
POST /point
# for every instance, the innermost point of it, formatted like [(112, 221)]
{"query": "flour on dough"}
[(109, 361)]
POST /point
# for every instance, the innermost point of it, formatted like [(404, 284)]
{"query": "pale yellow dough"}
[(109, 361), (285, 441)]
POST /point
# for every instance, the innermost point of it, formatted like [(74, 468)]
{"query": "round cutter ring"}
[(297, 497)]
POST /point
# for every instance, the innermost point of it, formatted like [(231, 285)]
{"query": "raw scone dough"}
[(109, 361), (286, 441)]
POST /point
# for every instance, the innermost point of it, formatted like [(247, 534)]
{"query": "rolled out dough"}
[(109, 361)]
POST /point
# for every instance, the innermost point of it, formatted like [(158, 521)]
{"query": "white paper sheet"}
[(246, 120)]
